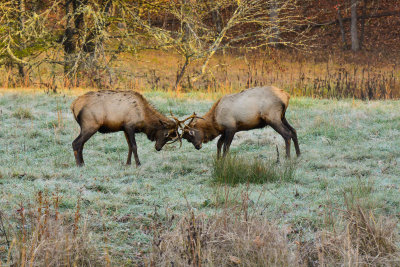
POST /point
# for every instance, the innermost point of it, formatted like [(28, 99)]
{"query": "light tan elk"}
[(113, 111), (250, 109)]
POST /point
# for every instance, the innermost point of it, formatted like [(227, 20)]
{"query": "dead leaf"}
[(234, 259)]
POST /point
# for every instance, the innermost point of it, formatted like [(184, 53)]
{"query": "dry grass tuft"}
[(42, 236), (234, 237), (364, 241), (222, 240)]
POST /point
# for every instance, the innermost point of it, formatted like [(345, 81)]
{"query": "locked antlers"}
[(180, 125)]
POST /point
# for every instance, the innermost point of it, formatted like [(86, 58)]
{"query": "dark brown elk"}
[(250, 109), (113, 111)]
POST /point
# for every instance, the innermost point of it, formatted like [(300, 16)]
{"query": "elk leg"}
[(79, 143), (219, 145), (229, 134), (128, 161), (75, 147), (294, 136), (131, 135), (285, 133)]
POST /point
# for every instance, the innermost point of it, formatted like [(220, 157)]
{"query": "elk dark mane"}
[(208, 124)]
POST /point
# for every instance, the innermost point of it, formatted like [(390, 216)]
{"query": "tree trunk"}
[(21, 67), (216, 17), (69, 43), (181, 73), (342, 29), (274, 18), (74, 24), (364, 14), (355, 45)]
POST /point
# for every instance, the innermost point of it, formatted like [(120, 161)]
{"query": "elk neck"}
[(152, 122), (208, 125)]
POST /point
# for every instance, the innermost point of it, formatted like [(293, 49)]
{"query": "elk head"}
[(167, 133), (191, 133)]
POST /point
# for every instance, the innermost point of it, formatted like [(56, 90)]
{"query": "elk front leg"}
[(229, 134), (219, 145), (131, 135)]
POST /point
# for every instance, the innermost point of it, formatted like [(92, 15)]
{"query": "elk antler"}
[(178, 122), (178, 125), (178, 138), (191, 118)]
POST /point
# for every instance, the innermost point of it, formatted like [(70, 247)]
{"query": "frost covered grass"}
[(344, 144)]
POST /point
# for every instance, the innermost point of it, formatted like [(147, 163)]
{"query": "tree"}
[(355, 44), (247, 25), (274, 17), (84, 35), (24, 34)]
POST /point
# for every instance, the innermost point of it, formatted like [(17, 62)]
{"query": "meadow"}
[(350, 150)]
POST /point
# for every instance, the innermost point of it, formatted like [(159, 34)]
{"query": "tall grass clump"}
[(40, 235), (225, 239), (22, 113), (360, 237), (238, 236), (235, 170)]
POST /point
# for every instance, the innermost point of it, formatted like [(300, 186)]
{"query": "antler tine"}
[(192, 117), (178, 138), (178, 122)]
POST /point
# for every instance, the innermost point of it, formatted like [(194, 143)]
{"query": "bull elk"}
[(250, 109), (127, 111)]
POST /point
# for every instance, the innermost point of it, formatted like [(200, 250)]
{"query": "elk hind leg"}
[(128, 161), (285, 133), (294, 136), (75, 147), (79, 143)]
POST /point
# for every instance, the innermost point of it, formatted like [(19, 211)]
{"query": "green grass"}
[(234, 170), (343, 143)]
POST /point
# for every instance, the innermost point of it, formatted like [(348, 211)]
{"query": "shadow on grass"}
[(236, 170)]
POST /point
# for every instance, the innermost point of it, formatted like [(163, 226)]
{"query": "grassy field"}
[(348, 147)]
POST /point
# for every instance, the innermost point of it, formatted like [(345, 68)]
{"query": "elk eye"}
[(166, 134), (191, 133)]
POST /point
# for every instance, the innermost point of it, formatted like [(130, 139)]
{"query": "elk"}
[(250, 109), (127, 111)]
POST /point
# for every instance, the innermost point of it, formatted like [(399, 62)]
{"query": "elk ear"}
[(191, 132)]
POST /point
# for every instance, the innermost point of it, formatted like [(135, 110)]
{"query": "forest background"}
[(317, 48)]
